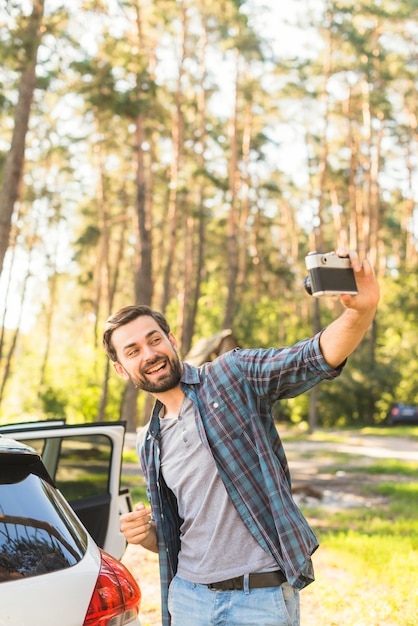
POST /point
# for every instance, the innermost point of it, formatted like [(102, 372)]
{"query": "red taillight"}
[(395, 411), (116, 596)]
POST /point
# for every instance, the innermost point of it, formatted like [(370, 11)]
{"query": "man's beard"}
[(167, 382)]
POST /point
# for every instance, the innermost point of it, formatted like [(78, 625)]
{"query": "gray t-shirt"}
[(215, 543)]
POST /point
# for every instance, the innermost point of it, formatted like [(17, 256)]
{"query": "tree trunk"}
[(321, 193), (143, 279), (245, 206), (196, 224), (144, 286), (177, 138), (14, 164), (15, 336), (232, 226)]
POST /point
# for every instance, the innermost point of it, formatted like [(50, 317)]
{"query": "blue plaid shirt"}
[(234, 396)]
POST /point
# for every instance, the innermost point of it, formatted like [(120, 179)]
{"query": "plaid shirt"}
[(234, 396)]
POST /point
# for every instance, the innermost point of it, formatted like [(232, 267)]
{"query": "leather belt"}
[(256, 581)]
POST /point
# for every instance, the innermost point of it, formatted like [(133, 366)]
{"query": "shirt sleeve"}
[(286, 372)]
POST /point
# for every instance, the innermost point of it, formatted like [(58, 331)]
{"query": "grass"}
[(134, 480), (388, 466), (129, 456), (82, 485), (138, 491), (378, 564), (368, 561), (392, 431), (301, 433)]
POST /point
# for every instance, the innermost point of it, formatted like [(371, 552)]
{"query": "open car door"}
[(85, 462)]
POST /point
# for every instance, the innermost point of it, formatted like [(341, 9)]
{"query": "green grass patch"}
[(83, 486), (389, 466), (377, 553), (382, 568), (402, 494), (374, 550), (130, 456), (342, 436), (411, 432), (137, 487), (134, 480), (139, 494)]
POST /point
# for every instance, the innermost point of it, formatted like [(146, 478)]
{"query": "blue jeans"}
[(191, 604)]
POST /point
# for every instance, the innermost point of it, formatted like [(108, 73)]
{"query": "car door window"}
[(79, 465), (84, 464)]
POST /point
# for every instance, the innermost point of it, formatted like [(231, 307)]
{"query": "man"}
[(234, 549)]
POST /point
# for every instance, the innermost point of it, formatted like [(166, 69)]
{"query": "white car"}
[(52, 570)]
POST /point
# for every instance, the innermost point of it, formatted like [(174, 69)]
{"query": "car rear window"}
[(39, 532)]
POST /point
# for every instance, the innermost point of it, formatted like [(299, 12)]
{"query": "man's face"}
[(147, 356)]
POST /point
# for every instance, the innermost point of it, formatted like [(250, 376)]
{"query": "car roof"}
[(18, 453), (11, 446)]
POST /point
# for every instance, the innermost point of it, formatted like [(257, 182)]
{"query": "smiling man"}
[(234, 549), (145, 342)]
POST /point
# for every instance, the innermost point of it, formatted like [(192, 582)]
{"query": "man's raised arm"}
[(344, 334)]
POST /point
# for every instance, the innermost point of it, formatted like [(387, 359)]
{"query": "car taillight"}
[(395, 411), (116, 596)]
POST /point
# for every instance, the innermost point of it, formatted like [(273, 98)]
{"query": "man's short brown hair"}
[(124, 316)]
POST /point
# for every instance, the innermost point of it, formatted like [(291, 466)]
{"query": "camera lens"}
[(308, 285)]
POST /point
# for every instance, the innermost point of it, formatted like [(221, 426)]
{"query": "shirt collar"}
[(191, 376)]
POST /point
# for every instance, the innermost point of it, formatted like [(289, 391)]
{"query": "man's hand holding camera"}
[(343, 335), (368, 295)]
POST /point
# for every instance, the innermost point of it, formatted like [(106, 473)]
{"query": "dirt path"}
[(315, 482)]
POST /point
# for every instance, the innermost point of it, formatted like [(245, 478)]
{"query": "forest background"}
[(188, 154)]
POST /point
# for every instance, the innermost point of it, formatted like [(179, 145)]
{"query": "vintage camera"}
[(329, 275)]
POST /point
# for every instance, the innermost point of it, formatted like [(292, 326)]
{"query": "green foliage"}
[(294, 410), (349, 400), (128, 116), (270, 322), (53, 402)]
